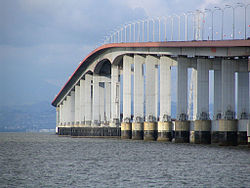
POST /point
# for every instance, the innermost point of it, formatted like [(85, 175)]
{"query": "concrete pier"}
[(126, 130), (242, 131), (202, 132), (248, 134), (150, 131), (215, 132), (182, 131), (228, 132), (164, 131), (137, 131)]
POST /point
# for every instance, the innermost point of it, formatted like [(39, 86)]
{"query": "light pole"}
[(233, 8), (153, 21), (138, 30), (147, 29), (245, 17), (121, 34), (165, 24), (159, 24), (125, 33), (172, 27), (203, 22), (186, 26), (222, 19), (143, 30), (179, 25), (114, 37), (134, 31), (212, 14)]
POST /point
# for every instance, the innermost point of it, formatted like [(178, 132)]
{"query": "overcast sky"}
[(43, 41)]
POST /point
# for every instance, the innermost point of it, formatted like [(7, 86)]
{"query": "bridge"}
[(123, 88), (126, 77)]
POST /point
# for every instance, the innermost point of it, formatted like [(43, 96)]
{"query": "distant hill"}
[(27, 118)]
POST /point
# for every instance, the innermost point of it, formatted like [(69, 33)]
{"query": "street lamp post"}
[(143, 30), (222, 19), (148, 30), (186, 26), (153, 21), (179, 25), (121, 34), (212, 14), (245, 17), (138, 31), (134, 31), (172, 27), (125, 33), (233, 8), (165, 27), (159, 24)]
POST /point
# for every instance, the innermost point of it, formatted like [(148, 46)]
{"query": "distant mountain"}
[(27, 118)]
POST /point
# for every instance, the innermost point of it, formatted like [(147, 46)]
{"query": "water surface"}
[(48, 160)]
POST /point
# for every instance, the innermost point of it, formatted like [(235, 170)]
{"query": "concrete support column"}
[(182, 125), (243, 106), (126, 127), (61, 114), (150, 129), (248, 134), (137, 125), (67, 111), (82, 102), (217, 105), (87, 100), (115, 96), (228, 125), (165, 125), (102, 102), (72, 108), (77, 105), (96, 101), (57, 118), (202, 124), (61, 119), (108, 101), (67, 128)]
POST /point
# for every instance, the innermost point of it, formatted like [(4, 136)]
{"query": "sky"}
[(43, 41)]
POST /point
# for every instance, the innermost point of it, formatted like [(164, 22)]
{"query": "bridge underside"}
[(129, 91)]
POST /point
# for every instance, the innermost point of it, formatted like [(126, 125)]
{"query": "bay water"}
[(49, 160)]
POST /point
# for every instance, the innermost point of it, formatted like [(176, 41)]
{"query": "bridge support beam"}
[(115, 96), (126, 127), (248, 134), (217, 104), (165, 124), (96, 101), (150, 128), (202, 124), (108, 101), (182, 125), (82, 102), (243, 105), (72, 108), (137, 125), (86, 110), (77, 105), (228, 124), (101, 101)]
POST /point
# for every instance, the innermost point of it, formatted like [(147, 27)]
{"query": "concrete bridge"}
[(140, 73)]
